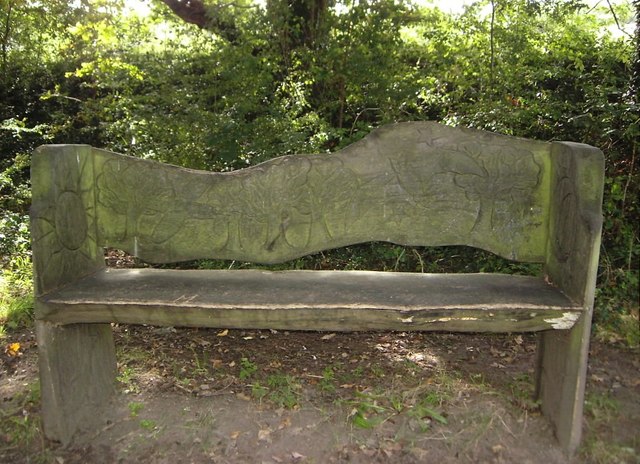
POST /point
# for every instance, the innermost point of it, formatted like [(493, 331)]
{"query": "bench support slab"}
[(561, 380), (77, 376)]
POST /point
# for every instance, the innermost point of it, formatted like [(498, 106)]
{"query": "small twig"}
[(443, 438), (506, 426), (492, 45), (615, 17), (419, 256), (57, 95), (353, 126), (626, 185), (397, 265), (220, 391), (107, 427), (594, 7), (180, 387)]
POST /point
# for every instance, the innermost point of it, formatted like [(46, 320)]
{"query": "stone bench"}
[(418, 184)]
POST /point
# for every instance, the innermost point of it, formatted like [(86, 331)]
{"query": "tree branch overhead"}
[(196, 12)]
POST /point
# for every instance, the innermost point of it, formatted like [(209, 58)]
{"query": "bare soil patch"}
[(217, 396)]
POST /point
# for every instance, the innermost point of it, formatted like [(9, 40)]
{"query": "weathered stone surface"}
[(318, 300), (410, 183), (77, 376), (63, 225), (572, 264)]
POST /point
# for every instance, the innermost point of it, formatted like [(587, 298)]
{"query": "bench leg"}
[(77, 376), (561, 376)]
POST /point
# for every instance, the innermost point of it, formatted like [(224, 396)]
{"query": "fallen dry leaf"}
[(264, 435), (286, 422), (13, 349), (224, 333)]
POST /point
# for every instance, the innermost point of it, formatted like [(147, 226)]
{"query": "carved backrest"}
[(418, 183)]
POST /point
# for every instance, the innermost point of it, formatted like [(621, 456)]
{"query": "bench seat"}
[(324, 300)]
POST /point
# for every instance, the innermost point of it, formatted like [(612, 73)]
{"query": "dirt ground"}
[(217, 396)]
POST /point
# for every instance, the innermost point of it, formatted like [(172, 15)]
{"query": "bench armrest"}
[(575, 219), (63, 225)]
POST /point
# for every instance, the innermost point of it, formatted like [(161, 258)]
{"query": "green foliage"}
[(15, 312), (423, 411), (16, 288), (19, 421), (135, 408), (602, 409), (327, 382), (281, 390), (283, 79), (247, 369), (624, 330), (148, 424), (127, 377), (522, 392), (369, 410), (284, 390)]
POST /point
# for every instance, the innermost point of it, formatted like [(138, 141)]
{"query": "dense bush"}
[(284, 79)]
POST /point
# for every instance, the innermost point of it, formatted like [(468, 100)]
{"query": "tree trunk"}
[(5, 38), (298, 23), (635, 76)]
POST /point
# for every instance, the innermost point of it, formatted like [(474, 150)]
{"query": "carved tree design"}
[(507, 175), (333, 190), (275, 205), (145, 198), (424, 185)]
